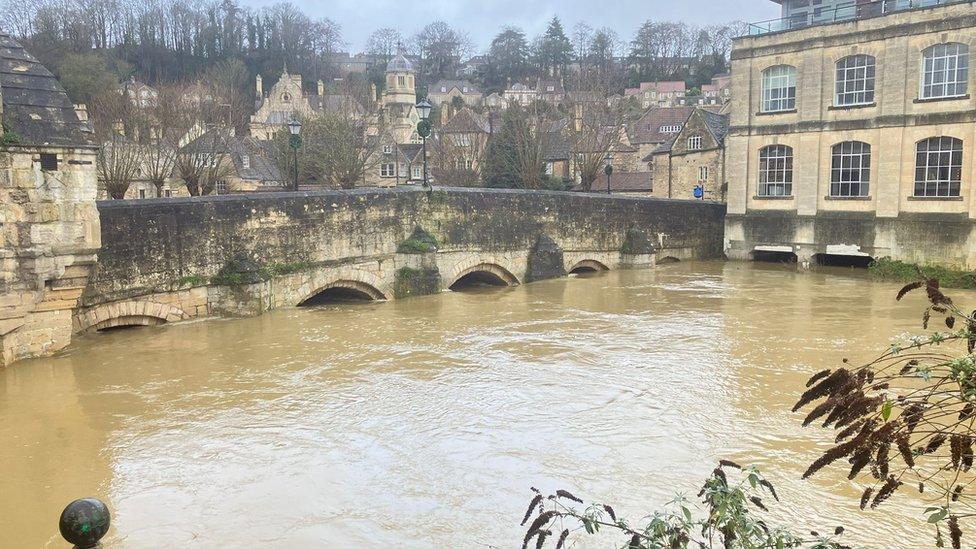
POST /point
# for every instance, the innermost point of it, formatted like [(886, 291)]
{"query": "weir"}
[(170, 260)]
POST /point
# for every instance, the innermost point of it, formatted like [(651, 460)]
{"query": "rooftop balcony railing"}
[(849, 12)]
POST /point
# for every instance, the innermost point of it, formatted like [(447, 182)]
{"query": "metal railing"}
[(850, 12)]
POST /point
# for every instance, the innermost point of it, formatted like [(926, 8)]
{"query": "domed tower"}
[(400, 99), (400, 82)]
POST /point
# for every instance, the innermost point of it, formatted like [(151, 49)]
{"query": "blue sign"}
[(699, 192)]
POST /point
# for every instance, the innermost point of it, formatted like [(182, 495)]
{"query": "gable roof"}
[(716, 124), (647, 129), (223, 141), (467, 121), (461, 85), (35, 106)]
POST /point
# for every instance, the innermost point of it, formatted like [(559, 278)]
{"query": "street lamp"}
[(608, 169), (423, 129), (295, 128)]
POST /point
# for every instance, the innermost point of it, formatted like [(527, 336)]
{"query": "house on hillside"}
[(444, 91), (659, 94), (654, 128)]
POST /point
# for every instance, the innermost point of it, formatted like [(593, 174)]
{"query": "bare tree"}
[(119, 157), (384, 43), (205, 161)]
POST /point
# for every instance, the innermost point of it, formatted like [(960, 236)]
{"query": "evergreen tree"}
[(553, 50)]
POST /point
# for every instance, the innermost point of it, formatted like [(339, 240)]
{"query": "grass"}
[(891, 269)]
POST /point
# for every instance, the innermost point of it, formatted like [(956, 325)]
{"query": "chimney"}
[(445, 113), (372, 91), (578, 117), (321, 88), (259, 86)]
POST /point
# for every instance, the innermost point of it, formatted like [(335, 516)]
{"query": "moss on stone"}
[(636, 243), (419, 242), (410, 282)]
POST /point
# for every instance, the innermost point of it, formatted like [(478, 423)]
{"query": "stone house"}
[(394, 163), (693, 157), (139, 93), (550, 90), (655, 127), (245, 163), (520, 94), (49, 227), (444, 92), (719, 92), (856, 138), (457, 149), (659, 94)]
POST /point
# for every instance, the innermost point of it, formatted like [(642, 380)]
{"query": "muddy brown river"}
[(423, 422)]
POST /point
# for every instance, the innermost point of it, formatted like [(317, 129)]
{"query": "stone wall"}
[(50, 234), (165, 260)]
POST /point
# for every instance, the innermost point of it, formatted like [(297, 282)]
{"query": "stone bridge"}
[(175, 259)]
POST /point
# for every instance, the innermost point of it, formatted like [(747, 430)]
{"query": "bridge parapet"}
[(185, 253)]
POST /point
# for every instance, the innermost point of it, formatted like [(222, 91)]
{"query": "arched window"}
[(938, 167), (850, 169), (779, 89), (945, 71), (776, 171), (855, 81)]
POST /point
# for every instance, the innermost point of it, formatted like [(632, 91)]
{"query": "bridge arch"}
[(588, 266), (484, 271), (128, 313), (344, 288)]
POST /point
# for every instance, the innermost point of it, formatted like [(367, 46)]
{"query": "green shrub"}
[(899, 271)]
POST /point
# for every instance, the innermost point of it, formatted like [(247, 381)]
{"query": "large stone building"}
[(856, 138), (49, 229), (287, 99)]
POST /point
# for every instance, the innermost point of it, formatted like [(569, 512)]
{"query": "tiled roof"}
[(647, 130), (555, 146), (35, 106)]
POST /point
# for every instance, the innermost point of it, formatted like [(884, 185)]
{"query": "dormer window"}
[(387, 149), (443, 89), (672, 128), (550, 88), (246, 162), (464, 89)]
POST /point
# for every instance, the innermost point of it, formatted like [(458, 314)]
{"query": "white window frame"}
[(702, 174), (388, 169), (775, 171), (246, 162), (695, 143), (778, 89), (945, 71), (670, 128), (417, 172), (550, 168), (850, 169), (938, 167), (387, 149), (221, 187), (855, 81)]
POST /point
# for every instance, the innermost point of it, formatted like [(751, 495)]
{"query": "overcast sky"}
[(482, 19)]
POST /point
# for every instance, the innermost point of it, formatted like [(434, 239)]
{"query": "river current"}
[(424, 422)]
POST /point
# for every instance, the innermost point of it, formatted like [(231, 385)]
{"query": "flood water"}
[(423, 422)]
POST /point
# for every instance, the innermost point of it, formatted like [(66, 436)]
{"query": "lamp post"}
[(423, 129), (295, 128), (608, 169)]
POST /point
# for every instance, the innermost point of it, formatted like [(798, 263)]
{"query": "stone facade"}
[(693, 157), (888, 215), (48, 219), (167, 260)]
